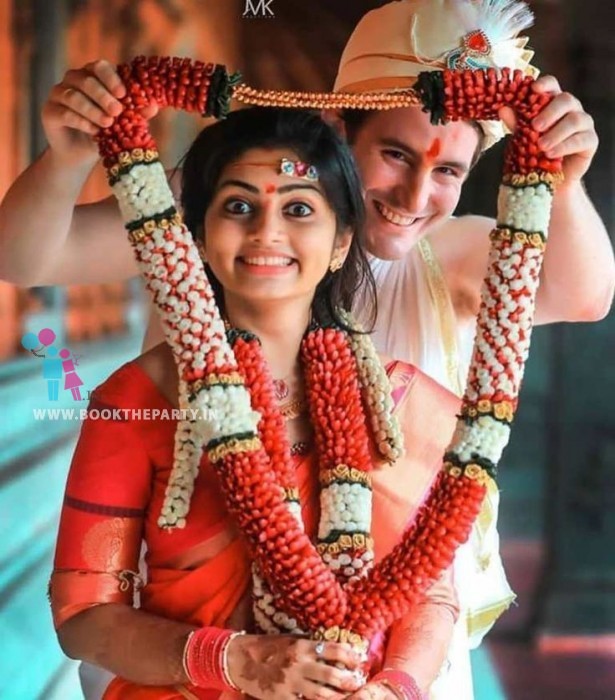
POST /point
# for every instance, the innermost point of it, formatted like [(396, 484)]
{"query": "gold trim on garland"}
[(231, 379), (357, 540), (501, 410), (127, 159), (342, 473), (471, 471), (341, 635), (533, 178), (148, 227), (232, 447), (535, 239)]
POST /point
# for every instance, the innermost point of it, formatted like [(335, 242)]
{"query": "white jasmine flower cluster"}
[(345, 507), (187, 455), (485, 437), (505, 321), (267, 616), (525, 208), (223, 411), (377, 393), (352, 567), (143, 192)]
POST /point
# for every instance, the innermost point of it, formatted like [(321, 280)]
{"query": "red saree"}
[(201, 574)]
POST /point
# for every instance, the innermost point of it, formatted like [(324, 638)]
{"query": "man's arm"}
[(578, 275), (579, 268), (419, 642), (44, 237)]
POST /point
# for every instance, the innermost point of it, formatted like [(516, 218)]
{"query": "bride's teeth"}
[(270, 262), (393, 217)]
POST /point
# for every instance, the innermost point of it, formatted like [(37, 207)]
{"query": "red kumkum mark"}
[(269, 189), (434, 150)]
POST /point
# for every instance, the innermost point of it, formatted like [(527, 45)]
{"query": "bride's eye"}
[(298, 209), (237, 206)]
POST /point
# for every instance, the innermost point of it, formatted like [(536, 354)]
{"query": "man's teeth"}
[(269, 262), (394, 218)]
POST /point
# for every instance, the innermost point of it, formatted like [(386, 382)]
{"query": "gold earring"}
[(337, 262)]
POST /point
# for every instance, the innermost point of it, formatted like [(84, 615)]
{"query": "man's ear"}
[(333, 117)]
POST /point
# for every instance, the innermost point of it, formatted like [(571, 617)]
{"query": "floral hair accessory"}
[(297, 168)]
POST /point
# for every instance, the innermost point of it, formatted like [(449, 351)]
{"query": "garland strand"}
[(338, 595)]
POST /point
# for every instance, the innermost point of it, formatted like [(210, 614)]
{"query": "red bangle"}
[(399, 682), (205, 658)]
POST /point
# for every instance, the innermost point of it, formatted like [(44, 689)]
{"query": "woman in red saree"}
[(282, 247)]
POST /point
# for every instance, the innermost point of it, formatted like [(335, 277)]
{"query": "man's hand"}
[(84, 101), (567, 131)]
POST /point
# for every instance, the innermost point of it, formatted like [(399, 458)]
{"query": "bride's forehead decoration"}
[(224, 376)]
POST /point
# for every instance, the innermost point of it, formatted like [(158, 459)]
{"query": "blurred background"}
[(557, 519)]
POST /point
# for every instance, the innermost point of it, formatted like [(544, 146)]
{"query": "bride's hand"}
[(284, 667)]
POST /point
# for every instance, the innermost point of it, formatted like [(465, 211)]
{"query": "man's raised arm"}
[(44, 237), (578, 275)]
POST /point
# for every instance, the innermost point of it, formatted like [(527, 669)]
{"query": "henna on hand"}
[(266, 661), (274, 667)]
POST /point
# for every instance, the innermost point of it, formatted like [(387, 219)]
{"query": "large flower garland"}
[(329, 589)]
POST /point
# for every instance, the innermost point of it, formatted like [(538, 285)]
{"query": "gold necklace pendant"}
[(293, 409)]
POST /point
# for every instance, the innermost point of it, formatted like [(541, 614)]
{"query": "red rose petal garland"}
[(238, 423)]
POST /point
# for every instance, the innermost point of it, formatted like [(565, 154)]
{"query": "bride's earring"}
[(337, 262)]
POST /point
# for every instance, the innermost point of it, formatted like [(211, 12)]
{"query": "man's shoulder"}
[(468, 223), (458, 239), (461, 246)]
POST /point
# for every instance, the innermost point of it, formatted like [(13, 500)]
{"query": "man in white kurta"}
[(416, 322)]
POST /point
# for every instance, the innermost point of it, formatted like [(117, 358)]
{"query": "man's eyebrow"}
[(281, 190), (398, 145)]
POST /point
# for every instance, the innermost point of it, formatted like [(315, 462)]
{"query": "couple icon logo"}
[(55, 363)]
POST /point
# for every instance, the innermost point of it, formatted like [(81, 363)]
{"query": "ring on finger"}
[(319, 649)]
